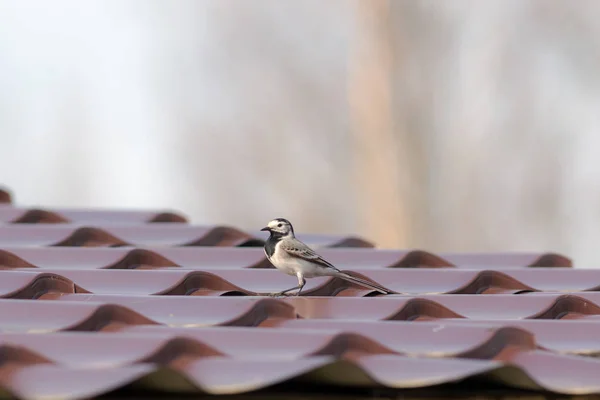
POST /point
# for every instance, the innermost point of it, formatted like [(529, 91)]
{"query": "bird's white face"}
[(280, 226)]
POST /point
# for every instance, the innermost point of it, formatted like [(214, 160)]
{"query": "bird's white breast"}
[(282, 261), (291, 265)]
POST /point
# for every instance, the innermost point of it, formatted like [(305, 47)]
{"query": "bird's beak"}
[(266, 228)]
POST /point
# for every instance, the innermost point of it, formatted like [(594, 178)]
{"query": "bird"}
[(293, 257)]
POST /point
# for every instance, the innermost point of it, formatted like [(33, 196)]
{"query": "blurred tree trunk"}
[(370, 90)]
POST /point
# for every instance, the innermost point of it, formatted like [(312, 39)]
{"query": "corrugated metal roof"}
[(96, 300)]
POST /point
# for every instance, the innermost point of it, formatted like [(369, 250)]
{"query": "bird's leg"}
[(285, 291), (301, 283)]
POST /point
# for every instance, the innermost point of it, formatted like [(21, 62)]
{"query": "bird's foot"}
[(278, 294)]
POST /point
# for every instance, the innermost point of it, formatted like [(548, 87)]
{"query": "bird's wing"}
[(298, 249)]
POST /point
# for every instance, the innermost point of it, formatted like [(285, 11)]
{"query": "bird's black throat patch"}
[(271, 242)]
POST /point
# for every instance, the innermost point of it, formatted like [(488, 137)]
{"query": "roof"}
[(92, 301)]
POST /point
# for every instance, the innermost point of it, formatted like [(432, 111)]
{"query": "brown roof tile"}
[(234, 281), (208, 258), (96, 300), (391, 307), (17, 215), (507, 259), (5, 196), (55, 381), (139, 344), (218, 375), (164, 234)]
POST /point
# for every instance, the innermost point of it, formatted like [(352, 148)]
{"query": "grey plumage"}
[(293, 257)]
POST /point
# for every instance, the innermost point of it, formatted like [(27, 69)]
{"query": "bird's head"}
[(279, 227)]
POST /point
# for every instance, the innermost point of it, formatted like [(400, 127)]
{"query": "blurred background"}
[(442, 125)]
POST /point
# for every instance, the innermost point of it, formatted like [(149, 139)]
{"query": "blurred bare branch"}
[(370, 96)]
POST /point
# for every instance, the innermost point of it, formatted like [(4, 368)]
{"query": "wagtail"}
[(293, 257)]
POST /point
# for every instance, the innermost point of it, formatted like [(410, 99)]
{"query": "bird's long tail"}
[(363, 282)]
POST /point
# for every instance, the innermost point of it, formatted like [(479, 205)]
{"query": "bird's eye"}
[(279, 225)]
